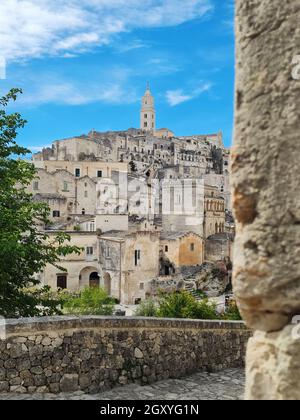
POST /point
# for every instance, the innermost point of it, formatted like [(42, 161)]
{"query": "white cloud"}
[(178, 96), (35, 149), (35, 28), (54, 89)]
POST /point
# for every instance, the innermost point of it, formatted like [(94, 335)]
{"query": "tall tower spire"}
[(148, 114)]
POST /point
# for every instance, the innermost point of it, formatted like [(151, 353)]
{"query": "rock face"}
[(265, 163), (266, 198), (273, 368)]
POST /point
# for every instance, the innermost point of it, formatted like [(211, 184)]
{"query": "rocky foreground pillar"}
[(266, 192)]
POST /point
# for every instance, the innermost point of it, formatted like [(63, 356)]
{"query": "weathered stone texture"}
[(273, 366), (265, 163), (92, 354), (266, 179)]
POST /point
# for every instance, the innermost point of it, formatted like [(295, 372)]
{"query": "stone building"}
[(129, 187), (129, 260), (81, 270), (219, 247), (214, 215), (180, 249), (71, 196), (148, 114)]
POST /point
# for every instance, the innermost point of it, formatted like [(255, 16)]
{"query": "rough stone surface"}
[(266, 199), (93, 354), (265, 163), (273, 366), (225, 385)]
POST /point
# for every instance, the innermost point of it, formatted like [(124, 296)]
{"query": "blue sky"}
[(84, 64)]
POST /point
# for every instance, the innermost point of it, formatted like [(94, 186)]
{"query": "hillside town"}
[(150, 210)]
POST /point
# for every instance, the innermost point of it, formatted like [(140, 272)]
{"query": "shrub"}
[(232, 313), (176, 305), (148, 308), (184, 305), (204, 310), (92, 301)]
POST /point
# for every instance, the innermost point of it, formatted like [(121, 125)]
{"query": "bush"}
[(204, 310), (147, 308), (92, 301), (184, 305), (176, 305), (232, 313)]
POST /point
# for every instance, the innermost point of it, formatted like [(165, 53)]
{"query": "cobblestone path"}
[(225, 385)]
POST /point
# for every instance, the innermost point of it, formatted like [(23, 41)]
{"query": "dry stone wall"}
[(93, 354)]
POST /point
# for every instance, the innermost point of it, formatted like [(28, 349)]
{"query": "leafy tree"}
[(24, 249), (92, 301)]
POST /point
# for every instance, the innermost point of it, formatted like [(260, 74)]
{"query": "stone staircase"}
[(193, 292)]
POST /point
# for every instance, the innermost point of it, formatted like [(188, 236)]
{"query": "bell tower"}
[(148, 114)]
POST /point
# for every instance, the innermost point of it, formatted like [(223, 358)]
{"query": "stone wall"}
[(266, 179), (92, 354)]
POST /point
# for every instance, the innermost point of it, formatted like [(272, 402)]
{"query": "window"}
[(137, 257), (83, 212), (142, 286), (66, 186), (89, 250), (56, 213), (77, 173), (35, 185), (145, 124), (107, 251), (145, 116), (62, 281), (192, 247), (166, 248), (99, 174), (85, 194)]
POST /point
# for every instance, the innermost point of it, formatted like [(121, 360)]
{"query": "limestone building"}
[(148, 115), (141, 203)]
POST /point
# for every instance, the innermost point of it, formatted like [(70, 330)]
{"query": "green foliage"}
[(92, 301), (204, 310), (200, 294), (24, 250), (176, 305), (232, 313), (148, 308), (179, 305)]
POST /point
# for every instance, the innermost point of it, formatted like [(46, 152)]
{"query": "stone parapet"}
[(93, 354)]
